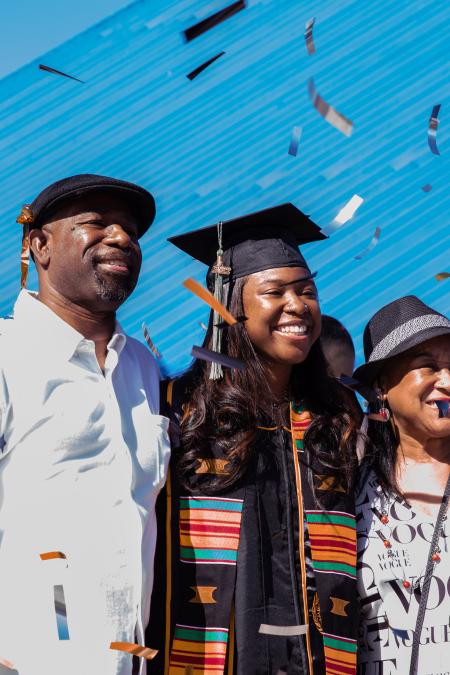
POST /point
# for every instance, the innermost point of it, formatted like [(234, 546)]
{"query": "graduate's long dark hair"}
[(229, 410)]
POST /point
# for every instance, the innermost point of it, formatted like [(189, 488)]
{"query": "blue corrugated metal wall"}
[(216, 147)]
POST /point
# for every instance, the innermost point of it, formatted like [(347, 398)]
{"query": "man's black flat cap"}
[(139, 200)]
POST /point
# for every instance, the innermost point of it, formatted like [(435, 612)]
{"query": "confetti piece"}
[(442, 275), (373, 243), (61, 613), (203, 325), (136, 650), (222, 15), (309, 36), (59, 72), (344, 215), (330, 114), (215, 357), (443, 408), (193, 74), (150, 342), (401, 633), (427, 187), (295, 140), (349, 210), (210, 300), (432, 129), (51, 555), (287, 631)]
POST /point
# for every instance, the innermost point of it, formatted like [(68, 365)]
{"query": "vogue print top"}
[(390, 580), (259, 579)]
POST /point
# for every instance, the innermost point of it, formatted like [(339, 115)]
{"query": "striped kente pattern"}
[(209, 530), (200, 651), (300, 421), (333, 542), (340, 655)]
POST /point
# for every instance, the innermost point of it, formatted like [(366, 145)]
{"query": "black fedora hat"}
[(394, 329)]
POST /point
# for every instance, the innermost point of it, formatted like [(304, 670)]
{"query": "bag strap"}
[(427, 582)]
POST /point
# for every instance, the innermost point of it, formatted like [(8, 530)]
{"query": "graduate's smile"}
[(297, 331)]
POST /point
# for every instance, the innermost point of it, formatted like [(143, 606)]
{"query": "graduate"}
[(255, 569)]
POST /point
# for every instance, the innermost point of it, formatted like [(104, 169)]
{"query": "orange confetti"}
[(210, 300), (51, 555), (441, 276), (136, 650)]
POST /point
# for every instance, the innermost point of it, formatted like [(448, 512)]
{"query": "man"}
[(83, 452), (337, 346)]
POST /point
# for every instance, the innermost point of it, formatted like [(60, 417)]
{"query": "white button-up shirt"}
[(83, 455)]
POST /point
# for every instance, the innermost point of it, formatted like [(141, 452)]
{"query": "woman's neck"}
[(417, 451), (422, 470), (278, 376)]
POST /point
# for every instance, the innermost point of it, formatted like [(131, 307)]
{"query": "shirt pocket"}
[(151, 459)]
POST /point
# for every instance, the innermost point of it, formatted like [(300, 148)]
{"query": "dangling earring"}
[(383, 413)]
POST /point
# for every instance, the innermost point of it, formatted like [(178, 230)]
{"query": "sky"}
[(30, 28)]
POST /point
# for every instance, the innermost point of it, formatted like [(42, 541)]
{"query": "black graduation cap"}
[(258, 241)]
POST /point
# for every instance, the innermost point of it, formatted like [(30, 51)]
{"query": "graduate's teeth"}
[(299, 330)]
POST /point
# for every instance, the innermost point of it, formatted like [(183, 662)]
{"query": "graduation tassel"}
[(25, 218), (219, 270)]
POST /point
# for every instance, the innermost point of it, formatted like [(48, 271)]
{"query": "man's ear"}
[(40, 246)]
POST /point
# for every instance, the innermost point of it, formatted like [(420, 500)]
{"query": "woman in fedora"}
[(403, 531)]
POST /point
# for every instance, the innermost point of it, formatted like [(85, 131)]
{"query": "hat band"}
[(395, 338)]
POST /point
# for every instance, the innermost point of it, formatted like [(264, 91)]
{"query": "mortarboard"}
[(255, 242), (33, 215)]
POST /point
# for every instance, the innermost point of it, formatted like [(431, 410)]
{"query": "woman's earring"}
[(383, 413)]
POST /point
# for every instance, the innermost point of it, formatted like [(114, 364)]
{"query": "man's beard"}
[(113, 290)]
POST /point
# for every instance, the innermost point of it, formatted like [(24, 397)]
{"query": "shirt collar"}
[(41, 327)]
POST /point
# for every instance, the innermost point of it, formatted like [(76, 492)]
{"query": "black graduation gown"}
[(273, 583)]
